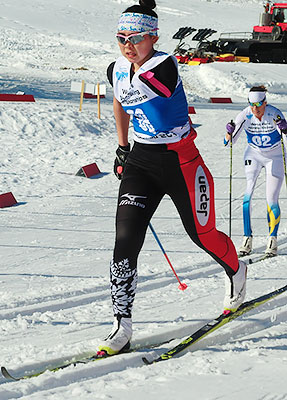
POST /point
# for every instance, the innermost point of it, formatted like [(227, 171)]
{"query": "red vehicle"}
[(273, 22), (268, 41)]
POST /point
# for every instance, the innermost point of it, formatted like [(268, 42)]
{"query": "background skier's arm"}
[(238, 125)]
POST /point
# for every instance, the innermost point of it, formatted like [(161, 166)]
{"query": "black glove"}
[(122, 153)]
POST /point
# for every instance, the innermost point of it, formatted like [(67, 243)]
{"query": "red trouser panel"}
[(200, 187)]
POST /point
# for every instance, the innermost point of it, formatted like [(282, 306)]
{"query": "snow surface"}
[(57, 242)]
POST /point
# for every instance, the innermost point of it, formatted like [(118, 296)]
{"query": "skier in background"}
[(163, 160), (263, 125)]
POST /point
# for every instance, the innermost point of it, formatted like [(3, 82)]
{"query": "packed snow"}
[(57, 241)]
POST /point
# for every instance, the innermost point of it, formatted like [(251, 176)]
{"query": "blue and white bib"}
[(155, 119), (263, 135)]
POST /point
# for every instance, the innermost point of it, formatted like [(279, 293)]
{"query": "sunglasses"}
[(257, 104), (134, 38)]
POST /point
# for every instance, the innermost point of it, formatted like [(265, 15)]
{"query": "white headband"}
[(138, 22), (256, 97)]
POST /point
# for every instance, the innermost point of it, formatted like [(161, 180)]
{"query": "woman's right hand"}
[(122, 153), (230, 127)]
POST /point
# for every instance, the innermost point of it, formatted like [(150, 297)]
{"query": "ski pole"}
[(283, 150), (182, 286), (232, 135), (284, 158), (230, 185)]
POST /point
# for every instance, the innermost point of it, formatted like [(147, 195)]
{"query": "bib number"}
[(143, 121), (261, 140)]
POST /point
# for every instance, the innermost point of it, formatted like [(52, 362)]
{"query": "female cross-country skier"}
[(264, 126), (163, 160)]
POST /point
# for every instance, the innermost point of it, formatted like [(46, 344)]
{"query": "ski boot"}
[(235, 288), (246, 246), (118, 339), (271, 249)]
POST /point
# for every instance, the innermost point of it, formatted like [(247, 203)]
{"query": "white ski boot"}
[(235, 288), (271, 249), (119, 338), (246, 246)]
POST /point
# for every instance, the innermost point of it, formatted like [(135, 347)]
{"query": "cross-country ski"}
[(77, 360), (218, 322)]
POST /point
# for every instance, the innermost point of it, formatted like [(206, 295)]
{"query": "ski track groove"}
[(69, 300), (78, 299)]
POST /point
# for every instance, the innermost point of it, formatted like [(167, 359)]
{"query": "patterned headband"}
[(138, 23)]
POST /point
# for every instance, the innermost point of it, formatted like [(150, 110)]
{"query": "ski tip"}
[(146, 361), (7, 375)]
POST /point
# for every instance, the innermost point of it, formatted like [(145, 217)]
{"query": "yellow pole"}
[(98, 98), (82, 95)]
